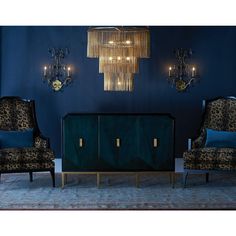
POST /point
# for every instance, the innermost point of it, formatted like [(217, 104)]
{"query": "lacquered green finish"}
[(125, 129), (83, 158), (161, 128), (136, 134)]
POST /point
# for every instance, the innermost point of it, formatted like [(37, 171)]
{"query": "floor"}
[(155, 192)]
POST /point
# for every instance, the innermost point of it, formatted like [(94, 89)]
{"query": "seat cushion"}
[(210, 159), (11, 167), (25, 155)]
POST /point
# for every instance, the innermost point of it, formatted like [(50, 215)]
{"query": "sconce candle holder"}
[(57, 74), (182, 75)]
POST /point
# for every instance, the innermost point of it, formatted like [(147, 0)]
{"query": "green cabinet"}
[(118, 142), (157, 142), (80, 143)]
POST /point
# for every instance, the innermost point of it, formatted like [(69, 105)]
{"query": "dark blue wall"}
[(24, 52)]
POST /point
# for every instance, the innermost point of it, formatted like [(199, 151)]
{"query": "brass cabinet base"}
[(137, 176)]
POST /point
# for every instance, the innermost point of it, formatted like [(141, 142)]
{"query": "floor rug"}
[(154, 193)]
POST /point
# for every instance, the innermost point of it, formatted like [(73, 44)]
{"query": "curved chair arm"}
[(199, 141), (41, 142)]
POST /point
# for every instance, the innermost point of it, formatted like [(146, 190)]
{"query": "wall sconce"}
[(57, 74), (182, 74)]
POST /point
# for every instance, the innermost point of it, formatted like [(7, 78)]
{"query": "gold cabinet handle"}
[(155, 142), (117, 142), (81, 142)]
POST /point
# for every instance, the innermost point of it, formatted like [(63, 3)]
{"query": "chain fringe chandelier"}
[(118, 50)]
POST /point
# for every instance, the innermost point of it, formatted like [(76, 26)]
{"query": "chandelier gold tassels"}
[(118, 50)]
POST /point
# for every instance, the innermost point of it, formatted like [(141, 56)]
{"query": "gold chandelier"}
[(118, 50)]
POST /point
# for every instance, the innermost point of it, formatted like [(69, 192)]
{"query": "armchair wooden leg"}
[(207, 177), (185, 175), (173, 179), (31, 176), (53, 177)]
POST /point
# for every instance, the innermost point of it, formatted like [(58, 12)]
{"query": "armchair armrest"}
[(199, 142), (41, 142)]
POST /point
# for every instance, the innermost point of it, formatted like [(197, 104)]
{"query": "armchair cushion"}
[(210, 158), (217, 138), (19, 159), (15, 167), (16, 139)]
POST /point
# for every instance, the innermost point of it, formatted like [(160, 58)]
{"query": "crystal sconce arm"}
[(182, 75), (57, 74)]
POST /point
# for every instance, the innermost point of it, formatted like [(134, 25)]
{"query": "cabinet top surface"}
[(119, 114)]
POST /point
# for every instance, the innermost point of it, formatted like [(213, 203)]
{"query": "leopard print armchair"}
[(220, 114), (17, 114)]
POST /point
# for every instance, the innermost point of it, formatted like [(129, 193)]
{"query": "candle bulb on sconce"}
[(170, 69), (68, 71), (193, 71), (45, 71)]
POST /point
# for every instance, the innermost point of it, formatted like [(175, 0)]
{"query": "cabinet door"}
[(118, 142), (157, 142), (80, 139)]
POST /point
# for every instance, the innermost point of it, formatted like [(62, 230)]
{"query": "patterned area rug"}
[(155, 192)]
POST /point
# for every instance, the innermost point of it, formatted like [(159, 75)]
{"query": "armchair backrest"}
[(16, 114), (220, 114)]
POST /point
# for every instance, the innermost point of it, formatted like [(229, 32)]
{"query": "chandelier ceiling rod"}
[(119, 28)]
